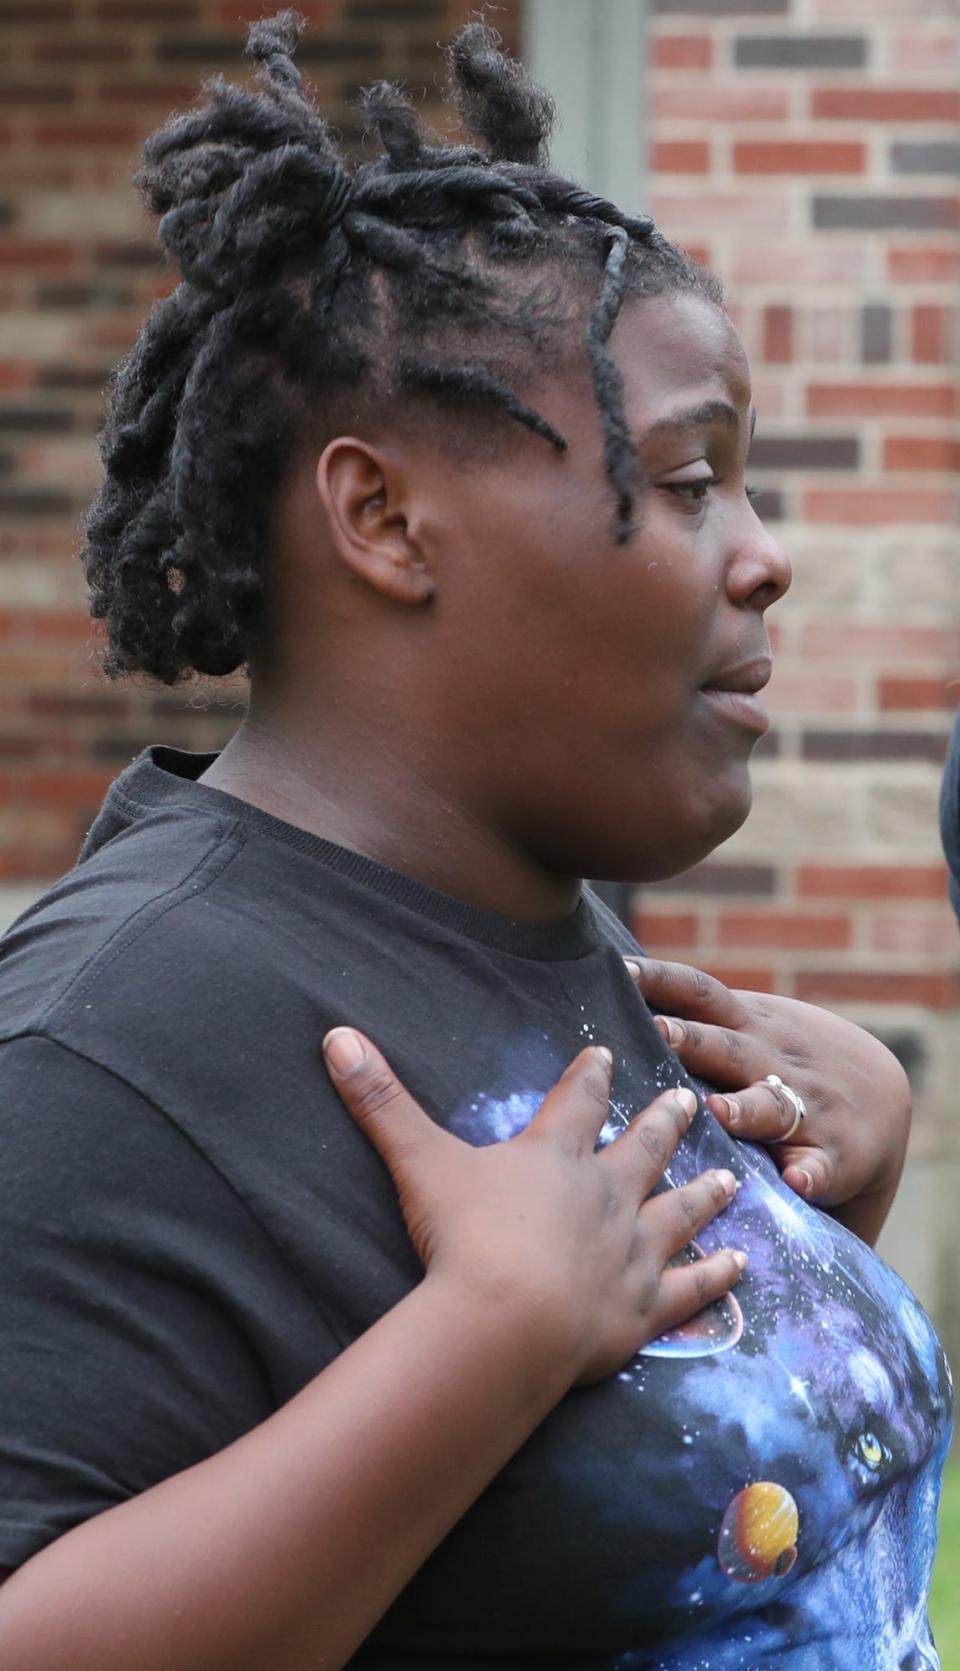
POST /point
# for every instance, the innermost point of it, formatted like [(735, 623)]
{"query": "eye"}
[(871, 1451), (692, 493), (754, 492)]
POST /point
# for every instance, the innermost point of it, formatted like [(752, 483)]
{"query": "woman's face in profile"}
[(589, 687)]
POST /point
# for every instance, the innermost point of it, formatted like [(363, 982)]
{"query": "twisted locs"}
[(441, 274)]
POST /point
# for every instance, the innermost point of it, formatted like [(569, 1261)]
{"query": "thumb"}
[(373, 1096)]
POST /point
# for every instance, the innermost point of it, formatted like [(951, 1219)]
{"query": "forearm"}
[(285, 1549)]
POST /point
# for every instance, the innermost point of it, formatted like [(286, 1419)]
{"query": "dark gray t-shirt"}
[(191, 1228)]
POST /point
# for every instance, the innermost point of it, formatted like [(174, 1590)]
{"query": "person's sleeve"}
[(124, 1355), (950, 813)]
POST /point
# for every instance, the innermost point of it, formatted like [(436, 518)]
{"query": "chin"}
[(697, 831)]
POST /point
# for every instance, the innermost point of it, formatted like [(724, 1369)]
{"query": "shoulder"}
[(104, 912)]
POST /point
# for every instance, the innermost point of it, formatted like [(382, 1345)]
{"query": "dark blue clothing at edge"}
[(950, 813), (191, 1228)]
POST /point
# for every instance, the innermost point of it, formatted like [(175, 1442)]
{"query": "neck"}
[(358, 790)]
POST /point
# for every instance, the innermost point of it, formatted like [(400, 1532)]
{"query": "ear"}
[(365, 494)]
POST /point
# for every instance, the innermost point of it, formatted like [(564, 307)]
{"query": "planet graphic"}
[(715, 1329), (758, 1533)]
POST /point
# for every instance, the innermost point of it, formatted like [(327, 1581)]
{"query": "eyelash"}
[(698, 490)]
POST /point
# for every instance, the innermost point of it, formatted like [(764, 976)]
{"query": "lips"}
[(747, 678), (733, 694)]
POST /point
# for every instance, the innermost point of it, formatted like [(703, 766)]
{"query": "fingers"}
[(680, 989), (651, 1138), (687, 1289), (808, 1172), (719, 1055), (575, 1111), (761, 1114), (675, 1217), (373, 1096)]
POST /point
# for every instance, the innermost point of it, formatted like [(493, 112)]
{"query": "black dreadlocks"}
[(311, 293)]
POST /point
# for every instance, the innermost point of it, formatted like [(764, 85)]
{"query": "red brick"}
[(836, 986), (680, 156), (868, 506), (886, 104), (873, 400), (228, 12), (787, 930), (36, 256), (77, 788), (872, 881), (70, 50), (720, 104), (147, 95), (798, 157), (681, 52), (912, 695), (921, 452), (916, 933), (149, 11), (656, 929), (55, 623), (777, 335), (744, 979), (92, 132), (930, 334), (923, 264), (15, 376)]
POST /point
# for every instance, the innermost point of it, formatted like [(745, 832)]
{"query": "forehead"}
[(677, 351)]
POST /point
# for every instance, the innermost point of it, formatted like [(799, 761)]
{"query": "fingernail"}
[(633, 966), (733, 1112), (687, 1100), (606, 1054), (343, 1050), (807, 1181), (727, 1182), (675, 1033), (740, 1260)]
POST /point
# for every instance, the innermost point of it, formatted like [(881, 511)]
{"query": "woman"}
[(450, 454)]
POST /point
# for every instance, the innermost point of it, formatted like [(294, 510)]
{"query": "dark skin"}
[(473, 683), (470, 681)]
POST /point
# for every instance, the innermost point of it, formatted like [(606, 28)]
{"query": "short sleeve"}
[(125, 1354)]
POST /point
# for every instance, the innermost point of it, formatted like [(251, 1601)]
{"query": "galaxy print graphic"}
[(789, 1442)]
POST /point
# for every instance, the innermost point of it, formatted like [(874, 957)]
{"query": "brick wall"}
[(809, 150)]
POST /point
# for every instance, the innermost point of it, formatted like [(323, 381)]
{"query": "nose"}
[(759, 571)]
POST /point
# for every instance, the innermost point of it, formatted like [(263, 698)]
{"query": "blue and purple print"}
[(789, 1443)]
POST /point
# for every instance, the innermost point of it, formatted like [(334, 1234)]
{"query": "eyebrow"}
[(698, 417)]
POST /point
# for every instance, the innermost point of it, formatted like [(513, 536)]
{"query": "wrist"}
[(531, 1338)]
